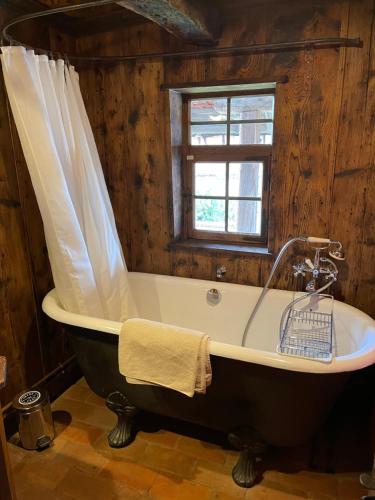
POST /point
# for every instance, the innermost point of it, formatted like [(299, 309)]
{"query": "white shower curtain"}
[(86, 258)]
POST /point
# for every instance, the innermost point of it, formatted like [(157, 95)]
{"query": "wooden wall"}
[(34, 346), (322, 179)]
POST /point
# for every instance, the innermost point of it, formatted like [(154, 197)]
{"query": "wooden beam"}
[(192, 23)]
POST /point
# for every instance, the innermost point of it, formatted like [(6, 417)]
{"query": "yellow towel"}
[(169, 356)]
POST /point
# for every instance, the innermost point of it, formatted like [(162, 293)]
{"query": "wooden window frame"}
[(222, 153)]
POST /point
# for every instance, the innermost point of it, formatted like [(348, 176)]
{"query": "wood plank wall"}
[(322, 179), (33, 345), (323, 173)]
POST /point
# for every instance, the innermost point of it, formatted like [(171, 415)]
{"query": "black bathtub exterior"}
[(285, 408)]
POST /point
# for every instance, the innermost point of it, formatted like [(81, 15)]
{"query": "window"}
[(227, 147)]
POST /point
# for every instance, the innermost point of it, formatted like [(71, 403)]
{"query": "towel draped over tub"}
[(166, 355)]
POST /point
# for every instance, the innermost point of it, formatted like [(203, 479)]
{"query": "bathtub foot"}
[(123, 433), (250, 445)]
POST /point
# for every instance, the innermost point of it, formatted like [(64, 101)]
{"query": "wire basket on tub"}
[(307, 328)]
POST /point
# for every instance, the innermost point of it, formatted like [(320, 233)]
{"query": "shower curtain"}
[(88, 266)]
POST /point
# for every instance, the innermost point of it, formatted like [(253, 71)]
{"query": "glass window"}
[(251, 133), (209, 179), (228, 144), (255, 107), (239, 120), (209, 214), (208, 110), (239, 186), (245, 179)]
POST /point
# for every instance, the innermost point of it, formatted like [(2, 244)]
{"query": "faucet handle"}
[(309, 263), (299, 270)]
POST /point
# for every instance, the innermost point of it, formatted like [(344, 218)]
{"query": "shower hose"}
[(266, 287)]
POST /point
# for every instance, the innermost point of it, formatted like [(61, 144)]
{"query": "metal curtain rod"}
[(318, 43)]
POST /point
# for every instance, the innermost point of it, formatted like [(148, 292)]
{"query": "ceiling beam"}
[(191, 22)]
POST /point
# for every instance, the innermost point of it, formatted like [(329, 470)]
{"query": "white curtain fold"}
[(85, 253)]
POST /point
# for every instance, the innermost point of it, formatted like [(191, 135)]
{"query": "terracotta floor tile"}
[(16, 454), (350, 488), (41, 456), (124, 492), (219, 495), (200, 449), (260, 492), (92, 398), (218, 477), (158, 465), (42, 473), (134, 451), (80, 485), (165, 459), (85, 412), (283, 487), (303, 483), (77, 391), (164, 438), (81, 432), (83, 457), (32, 491), (133, 475), (167, 488)]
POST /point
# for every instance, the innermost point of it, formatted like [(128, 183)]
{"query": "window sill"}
[(215, 246)]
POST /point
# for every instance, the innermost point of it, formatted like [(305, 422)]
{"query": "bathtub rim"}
[(363, 357)]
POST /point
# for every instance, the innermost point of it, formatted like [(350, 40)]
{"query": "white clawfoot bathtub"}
[(257, 396), (183, 302)]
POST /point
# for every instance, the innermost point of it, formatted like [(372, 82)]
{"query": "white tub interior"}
[(183, 302)]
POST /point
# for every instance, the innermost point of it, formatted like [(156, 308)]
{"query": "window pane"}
[(206, 110), (251, 133), (203, 135), (209, 179), (209, 215), (256, 107), (244, 216), (246, 179)]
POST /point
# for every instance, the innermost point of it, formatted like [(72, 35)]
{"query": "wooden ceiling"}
[(82, 22), (108, 17)]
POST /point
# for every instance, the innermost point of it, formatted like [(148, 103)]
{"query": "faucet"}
[(322, 266), (335, 251), (220, 271)]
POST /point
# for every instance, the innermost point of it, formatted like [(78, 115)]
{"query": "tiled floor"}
[(158, 465)]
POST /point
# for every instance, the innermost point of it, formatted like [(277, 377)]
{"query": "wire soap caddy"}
[(306, 331)]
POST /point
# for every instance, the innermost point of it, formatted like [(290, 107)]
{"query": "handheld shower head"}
[(337, 252)]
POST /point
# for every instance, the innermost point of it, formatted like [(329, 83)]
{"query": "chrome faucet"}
[(220, 272), (322, 266)]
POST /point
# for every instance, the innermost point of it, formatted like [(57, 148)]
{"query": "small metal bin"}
[(35, 419)]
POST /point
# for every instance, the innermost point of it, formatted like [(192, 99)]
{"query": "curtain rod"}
[(317, 43)]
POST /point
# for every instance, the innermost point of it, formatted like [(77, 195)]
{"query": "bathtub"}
[(257, 396)]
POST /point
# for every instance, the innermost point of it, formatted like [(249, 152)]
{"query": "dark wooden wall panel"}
[(322, 170), (322, 179)]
